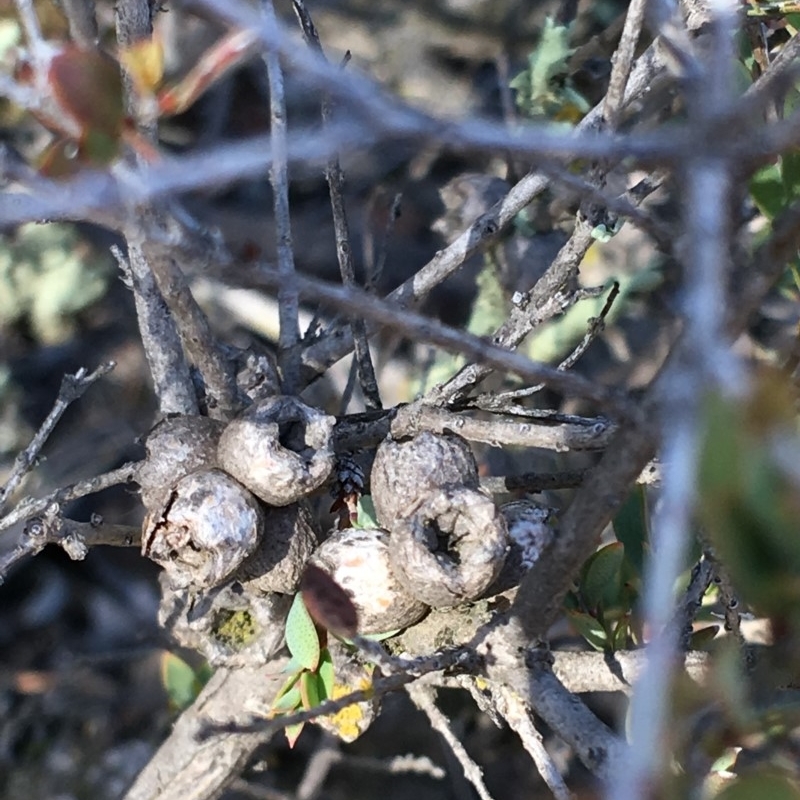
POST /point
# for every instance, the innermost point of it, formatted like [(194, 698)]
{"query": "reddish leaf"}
[(87, 84), (329, 605), (228, 53)]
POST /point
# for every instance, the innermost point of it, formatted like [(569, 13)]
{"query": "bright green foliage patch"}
[(544, 88)]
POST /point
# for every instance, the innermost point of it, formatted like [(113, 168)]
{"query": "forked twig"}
[(344, 248), (72, 387), (31, 506), (422, 328), (424, 698), (518, 715)]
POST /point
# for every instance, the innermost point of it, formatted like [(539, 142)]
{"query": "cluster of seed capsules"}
[(229, 520)]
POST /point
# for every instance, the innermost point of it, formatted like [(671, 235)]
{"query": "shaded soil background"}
[(82, 706)]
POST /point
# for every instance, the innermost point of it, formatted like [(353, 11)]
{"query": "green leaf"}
[(619, 639), (790, 174), (180, 681), (700, 638), (290, 700), (603, 233), (326, 672), (293, 732), (367, 517), (591, 630), (767, 190), (535, 86), (765, 786), (310, 689), (631, 526), (601, 581), (726, 760), (301, 635)]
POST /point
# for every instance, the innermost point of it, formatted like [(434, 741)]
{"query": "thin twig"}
[(398, 765), (72, 387), (596, 327), (424, 329), (375, 271), (504, 405), (418, 417), (727, 597), (692, 601), (248, 790), (595, 744), (424, 698), (288, 303), (325, 756), (529, 311), (155, 298), (199, 342), (30, 506), (621, 63), (585, 671), (75, 538), (533, 482), (518, 715), (403, 671), (344, 249), (625, 205)]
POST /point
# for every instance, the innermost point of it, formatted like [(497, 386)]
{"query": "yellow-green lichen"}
[(236, 629)]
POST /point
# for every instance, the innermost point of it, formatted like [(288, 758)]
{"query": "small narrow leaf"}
[(631, 526), (601, 581), (619, 638), (765, 785), (326, 674), (301, 635), (293, 732), (367, 518), (179, 680), (309, 689), (291, 700), (591, 630), (700, 638), (287, 685)]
